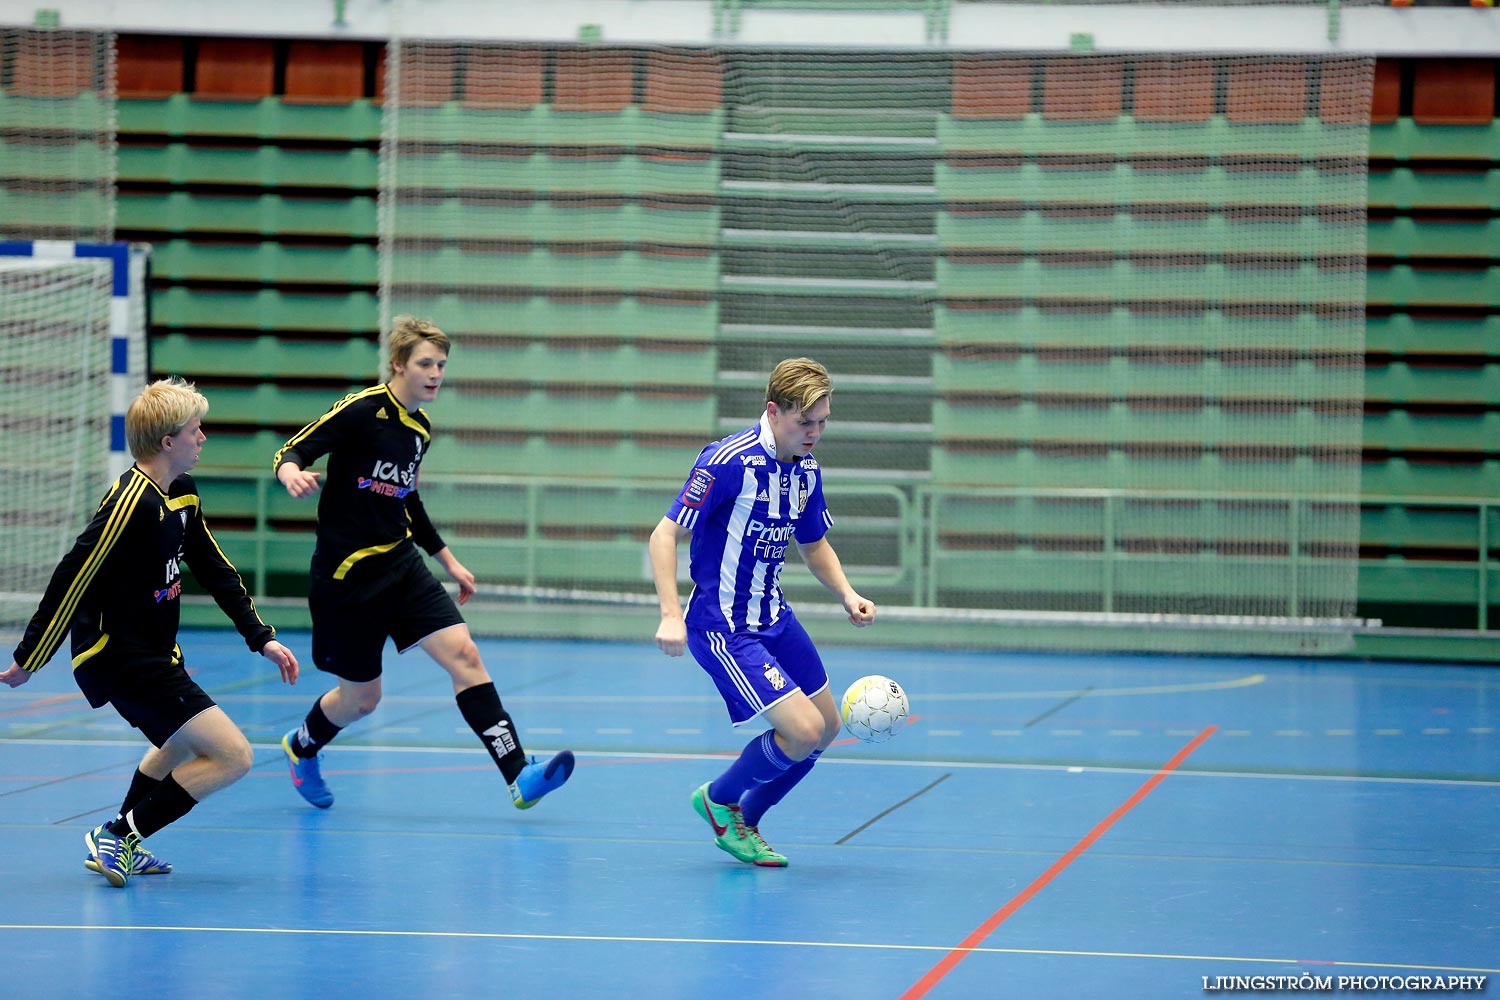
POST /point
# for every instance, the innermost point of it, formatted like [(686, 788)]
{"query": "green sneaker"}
[(764, 855), (731, 833)]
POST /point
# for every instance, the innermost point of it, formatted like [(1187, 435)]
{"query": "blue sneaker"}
[(538, 778), (142, 861), (306, 777), (112, 854)]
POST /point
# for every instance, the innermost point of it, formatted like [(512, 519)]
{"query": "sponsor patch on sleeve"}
[(696, 490)]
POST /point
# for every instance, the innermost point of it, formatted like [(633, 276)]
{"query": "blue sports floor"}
[(1047, 826)]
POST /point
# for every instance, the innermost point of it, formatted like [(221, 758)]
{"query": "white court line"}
[(851, 761)]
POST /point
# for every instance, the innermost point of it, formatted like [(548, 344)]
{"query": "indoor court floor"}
[(1046, 826)]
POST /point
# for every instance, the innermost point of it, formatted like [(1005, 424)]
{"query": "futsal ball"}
[(874, 708)]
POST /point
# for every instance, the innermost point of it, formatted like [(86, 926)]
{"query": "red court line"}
[(984, 930)]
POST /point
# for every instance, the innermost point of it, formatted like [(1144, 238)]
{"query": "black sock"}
[(167, 804), (490, 721), (141, 786), (315, 733)]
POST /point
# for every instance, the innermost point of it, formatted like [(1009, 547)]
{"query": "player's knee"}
[(467, 665), (236, 758), (802, 737), (366, 702)]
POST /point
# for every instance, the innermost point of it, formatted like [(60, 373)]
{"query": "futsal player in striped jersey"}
[(747, 498), (118, 591), (369, 581)]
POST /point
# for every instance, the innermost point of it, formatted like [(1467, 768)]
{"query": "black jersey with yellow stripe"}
[(368, 504), (119, 589)]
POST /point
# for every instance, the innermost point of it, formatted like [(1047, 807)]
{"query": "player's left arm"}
[(426, 536), (824, 563), (458, 571), (218, 576)]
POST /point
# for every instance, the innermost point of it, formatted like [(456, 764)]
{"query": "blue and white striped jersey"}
[(743, 507)]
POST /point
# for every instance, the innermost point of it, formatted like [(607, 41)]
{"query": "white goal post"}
[(73, 352)]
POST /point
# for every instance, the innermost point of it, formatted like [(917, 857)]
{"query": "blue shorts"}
[(755, 670)]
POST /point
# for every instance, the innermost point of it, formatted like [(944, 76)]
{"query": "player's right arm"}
[(77, 572), (307, 446), (671, 634)]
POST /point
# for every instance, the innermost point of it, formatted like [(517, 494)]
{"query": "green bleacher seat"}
[(1109, 184), (615, 271), (1408, 188), (1404, 139), (560, 410), (184, 165), (1118, 326), (1404, 333), (1310, 139), (630, 128), (179, 308), (1407, 237), (272, 215), (629, 317), (1118, 377), (268, 118), (267, 262), (493, 218), (1400, 430), (602, 459), (1401, 477), (54, 160), (610, 362), (1034, 231), (541, 171), (267, 356), (1400, 382), (1029, 278)]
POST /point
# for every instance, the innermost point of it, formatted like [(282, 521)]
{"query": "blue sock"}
[(759, 798), (761, 761)]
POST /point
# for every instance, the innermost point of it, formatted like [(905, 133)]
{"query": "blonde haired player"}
[(118, 591), (368, 581), (747, 499)]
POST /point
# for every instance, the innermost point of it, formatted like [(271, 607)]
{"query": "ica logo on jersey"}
[(173, 589), (389, 479)]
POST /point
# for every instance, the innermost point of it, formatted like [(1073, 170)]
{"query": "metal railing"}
[(910, 525)]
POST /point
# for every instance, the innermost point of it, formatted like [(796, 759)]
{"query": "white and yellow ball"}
[(874, 708)]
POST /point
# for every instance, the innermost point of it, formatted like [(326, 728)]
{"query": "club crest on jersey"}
[(696, 490), (802, 494), (773, 676)]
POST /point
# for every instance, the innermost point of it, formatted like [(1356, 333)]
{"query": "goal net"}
[(1095, 322), (72, 354)]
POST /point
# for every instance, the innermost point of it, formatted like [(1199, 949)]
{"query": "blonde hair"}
[(162, 409), (406, 333), (797, 384)]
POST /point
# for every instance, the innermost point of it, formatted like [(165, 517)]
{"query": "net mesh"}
[(55, 365), (1095, 322), (57, 135)]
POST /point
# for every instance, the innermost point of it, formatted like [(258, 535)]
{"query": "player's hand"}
[(463, 578), (298, 483), (14, 676), (283, 658), (861, 611), (671, 636)]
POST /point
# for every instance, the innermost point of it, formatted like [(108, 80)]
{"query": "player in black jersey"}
[(369, 581), (118, 592)]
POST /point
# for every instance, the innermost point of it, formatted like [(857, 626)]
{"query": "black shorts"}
[(352, 617), (160, 700)]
